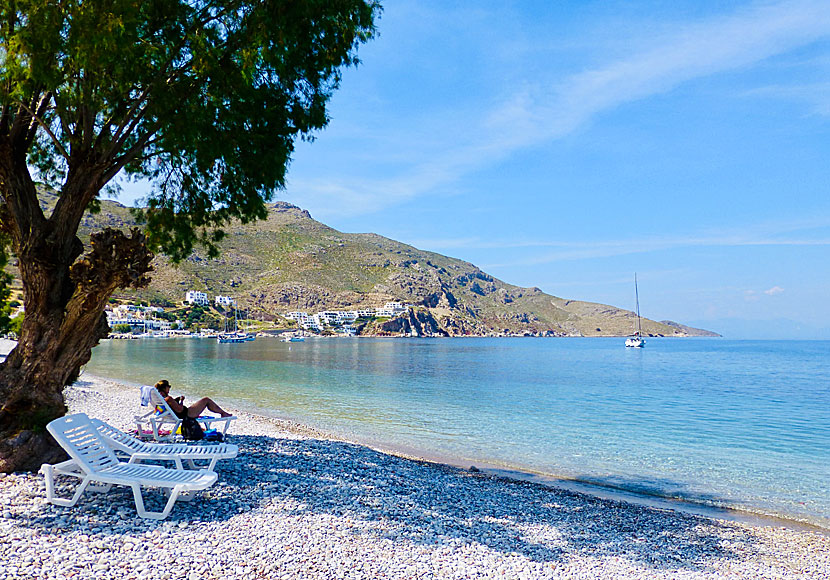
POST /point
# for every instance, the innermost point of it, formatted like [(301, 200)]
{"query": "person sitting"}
[(178, 407)]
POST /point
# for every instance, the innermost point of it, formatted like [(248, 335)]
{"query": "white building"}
[(339, 318), (391, 309), (346, 317), (133, 321), (159, 324), (302, 318), (328, 317), (313, 323), (196, 297), (136, 320), (224, 301)]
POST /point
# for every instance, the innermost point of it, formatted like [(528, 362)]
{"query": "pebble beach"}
[(297, 503)]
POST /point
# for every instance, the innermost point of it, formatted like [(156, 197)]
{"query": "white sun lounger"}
[(162, 416), (139, 451), (93, 461)]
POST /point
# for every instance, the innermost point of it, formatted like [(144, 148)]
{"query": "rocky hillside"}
[(292, 262)]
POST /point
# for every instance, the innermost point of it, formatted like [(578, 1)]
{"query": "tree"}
[(202, 98)]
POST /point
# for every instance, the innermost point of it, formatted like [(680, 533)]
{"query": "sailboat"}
[(245, 331), (230, 335), (636, 341)]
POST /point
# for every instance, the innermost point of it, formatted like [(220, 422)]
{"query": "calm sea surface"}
[(742, 424)]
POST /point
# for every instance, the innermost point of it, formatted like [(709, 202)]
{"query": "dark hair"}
[(162, 384)]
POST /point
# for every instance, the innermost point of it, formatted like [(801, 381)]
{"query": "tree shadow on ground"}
[(425, 503)]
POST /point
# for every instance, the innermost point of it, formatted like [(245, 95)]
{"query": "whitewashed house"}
[(196, 297), (224, 301), (391, 309), (347, 316), (117, 319), (314, 322)]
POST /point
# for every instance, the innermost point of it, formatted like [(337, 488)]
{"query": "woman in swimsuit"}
[(194, 410)]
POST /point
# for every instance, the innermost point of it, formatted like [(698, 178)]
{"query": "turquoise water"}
[(741, 424)]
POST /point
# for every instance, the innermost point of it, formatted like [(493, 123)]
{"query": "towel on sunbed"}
[(145, 395)]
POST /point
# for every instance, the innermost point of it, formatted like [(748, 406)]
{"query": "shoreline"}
[(598, 490), (510, 473), (515, 472), (298, 503)]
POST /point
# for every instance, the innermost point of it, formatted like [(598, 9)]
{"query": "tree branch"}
[(127, 119), (22, 214), (45, 126), (60, 112), (124, 131), (119, 162), (38, 118), (115, 261)]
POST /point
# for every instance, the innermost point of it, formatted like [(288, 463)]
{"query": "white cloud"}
[(537, 112), (695, 51), (774, 291)]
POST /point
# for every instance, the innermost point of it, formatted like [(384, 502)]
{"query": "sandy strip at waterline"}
[(298, 504)]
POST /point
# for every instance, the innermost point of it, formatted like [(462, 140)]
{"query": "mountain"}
[(291, 262)]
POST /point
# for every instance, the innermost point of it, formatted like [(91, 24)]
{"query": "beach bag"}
[(214, 436), (191, 430)]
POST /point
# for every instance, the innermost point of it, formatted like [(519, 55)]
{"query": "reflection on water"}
[(731, 422)]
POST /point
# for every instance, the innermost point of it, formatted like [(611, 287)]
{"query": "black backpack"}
[(191, 430)]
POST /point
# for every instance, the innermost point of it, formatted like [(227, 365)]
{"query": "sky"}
[(568, 145)]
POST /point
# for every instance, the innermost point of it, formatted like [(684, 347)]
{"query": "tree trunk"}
[(64, 320)]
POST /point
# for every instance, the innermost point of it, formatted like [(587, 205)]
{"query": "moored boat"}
[(636, 341)]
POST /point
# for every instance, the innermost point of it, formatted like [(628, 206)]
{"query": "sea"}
[(734, 425)]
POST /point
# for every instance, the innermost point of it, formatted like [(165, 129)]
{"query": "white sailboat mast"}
[(637, 302)]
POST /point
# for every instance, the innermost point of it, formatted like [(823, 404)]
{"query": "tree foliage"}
[(203, 98)]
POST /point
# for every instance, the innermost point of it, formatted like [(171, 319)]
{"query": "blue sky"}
[(566, 145)]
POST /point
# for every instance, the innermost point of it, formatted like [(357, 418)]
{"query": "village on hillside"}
[(199, 316)]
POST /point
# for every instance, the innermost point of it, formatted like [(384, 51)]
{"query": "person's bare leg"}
[(196, 408)]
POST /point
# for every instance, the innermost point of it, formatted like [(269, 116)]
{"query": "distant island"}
[(290, 262)]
